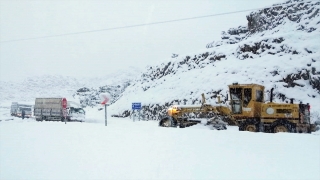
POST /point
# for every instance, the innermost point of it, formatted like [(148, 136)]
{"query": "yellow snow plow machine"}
[(248, 110)]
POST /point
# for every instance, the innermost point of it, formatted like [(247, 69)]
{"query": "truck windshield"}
[(25, 109), (78, 110)]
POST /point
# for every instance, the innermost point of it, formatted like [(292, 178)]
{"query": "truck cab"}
[(75, 111)]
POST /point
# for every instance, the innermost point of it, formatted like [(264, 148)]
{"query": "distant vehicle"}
[(75, 111), (16, 109), (51, 109)]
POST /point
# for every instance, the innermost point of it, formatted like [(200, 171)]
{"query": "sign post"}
[(64, 109), (105, 112), (104, 102), (136, 106)]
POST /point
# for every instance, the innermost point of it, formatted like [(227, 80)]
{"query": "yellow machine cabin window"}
[(259, 96), (247, 96), (236, 97)]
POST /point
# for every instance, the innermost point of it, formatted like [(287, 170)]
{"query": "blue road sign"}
[(136, 106)]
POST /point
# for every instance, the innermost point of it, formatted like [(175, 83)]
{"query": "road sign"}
[(64, 103), (64, 111), (136, 106), (105, 99)]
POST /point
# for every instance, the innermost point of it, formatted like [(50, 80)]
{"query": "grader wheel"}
[(165, 122), (280, 128), (251, 128)]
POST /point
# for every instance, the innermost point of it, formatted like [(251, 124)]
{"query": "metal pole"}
[(65, 116), (139, 114), (105, 112)]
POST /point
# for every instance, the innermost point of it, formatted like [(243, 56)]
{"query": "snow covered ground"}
[(127, 149)]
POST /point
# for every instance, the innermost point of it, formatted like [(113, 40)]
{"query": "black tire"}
[(281, 126), (241, 126), (165, 122), (309, 130), (251, 127)]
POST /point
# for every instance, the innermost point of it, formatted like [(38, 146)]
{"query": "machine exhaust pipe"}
[(271, 94), (291, 100), (203, 99)]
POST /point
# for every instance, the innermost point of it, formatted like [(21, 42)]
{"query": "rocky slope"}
[(278, 48)]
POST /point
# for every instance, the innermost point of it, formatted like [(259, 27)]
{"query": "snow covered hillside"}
[(85, 90), (279, 48)]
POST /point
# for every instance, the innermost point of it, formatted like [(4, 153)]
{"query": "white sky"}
[(96, 54)]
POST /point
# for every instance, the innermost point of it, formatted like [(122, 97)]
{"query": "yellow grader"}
[(248, 110)]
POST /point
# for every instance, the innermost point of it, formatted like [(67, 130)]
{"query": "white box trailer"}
[(51, 109)]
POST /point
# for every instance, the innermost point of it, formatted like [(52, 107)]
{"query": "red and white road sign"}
[(64, 103), (64, 107), (105, 99)]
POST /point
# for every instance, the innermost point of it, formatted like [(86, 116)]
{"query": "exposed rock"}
[(270, 18), (90, 97)]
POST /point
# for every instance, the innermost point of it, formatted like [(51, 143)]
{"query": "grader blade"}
[(188, 123)]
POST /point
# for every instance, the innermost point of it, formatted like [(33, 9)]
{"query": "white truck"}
[(16, 109), (52, 109)]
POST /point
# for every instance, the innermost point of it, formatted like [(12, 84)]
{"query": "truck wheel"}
[(251, 128), (165, 122), (241, 126), (309, 130), (280, 128)]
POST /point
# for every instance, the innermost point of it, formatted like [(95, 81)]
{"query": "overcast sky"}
[(99, 53)]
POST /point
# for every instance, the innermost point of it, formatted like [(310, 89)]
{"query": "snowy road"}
[(142, 150)]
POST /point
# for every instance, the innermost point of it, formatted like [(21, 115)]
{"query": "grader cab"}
[(249, 111), (252, 113)]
